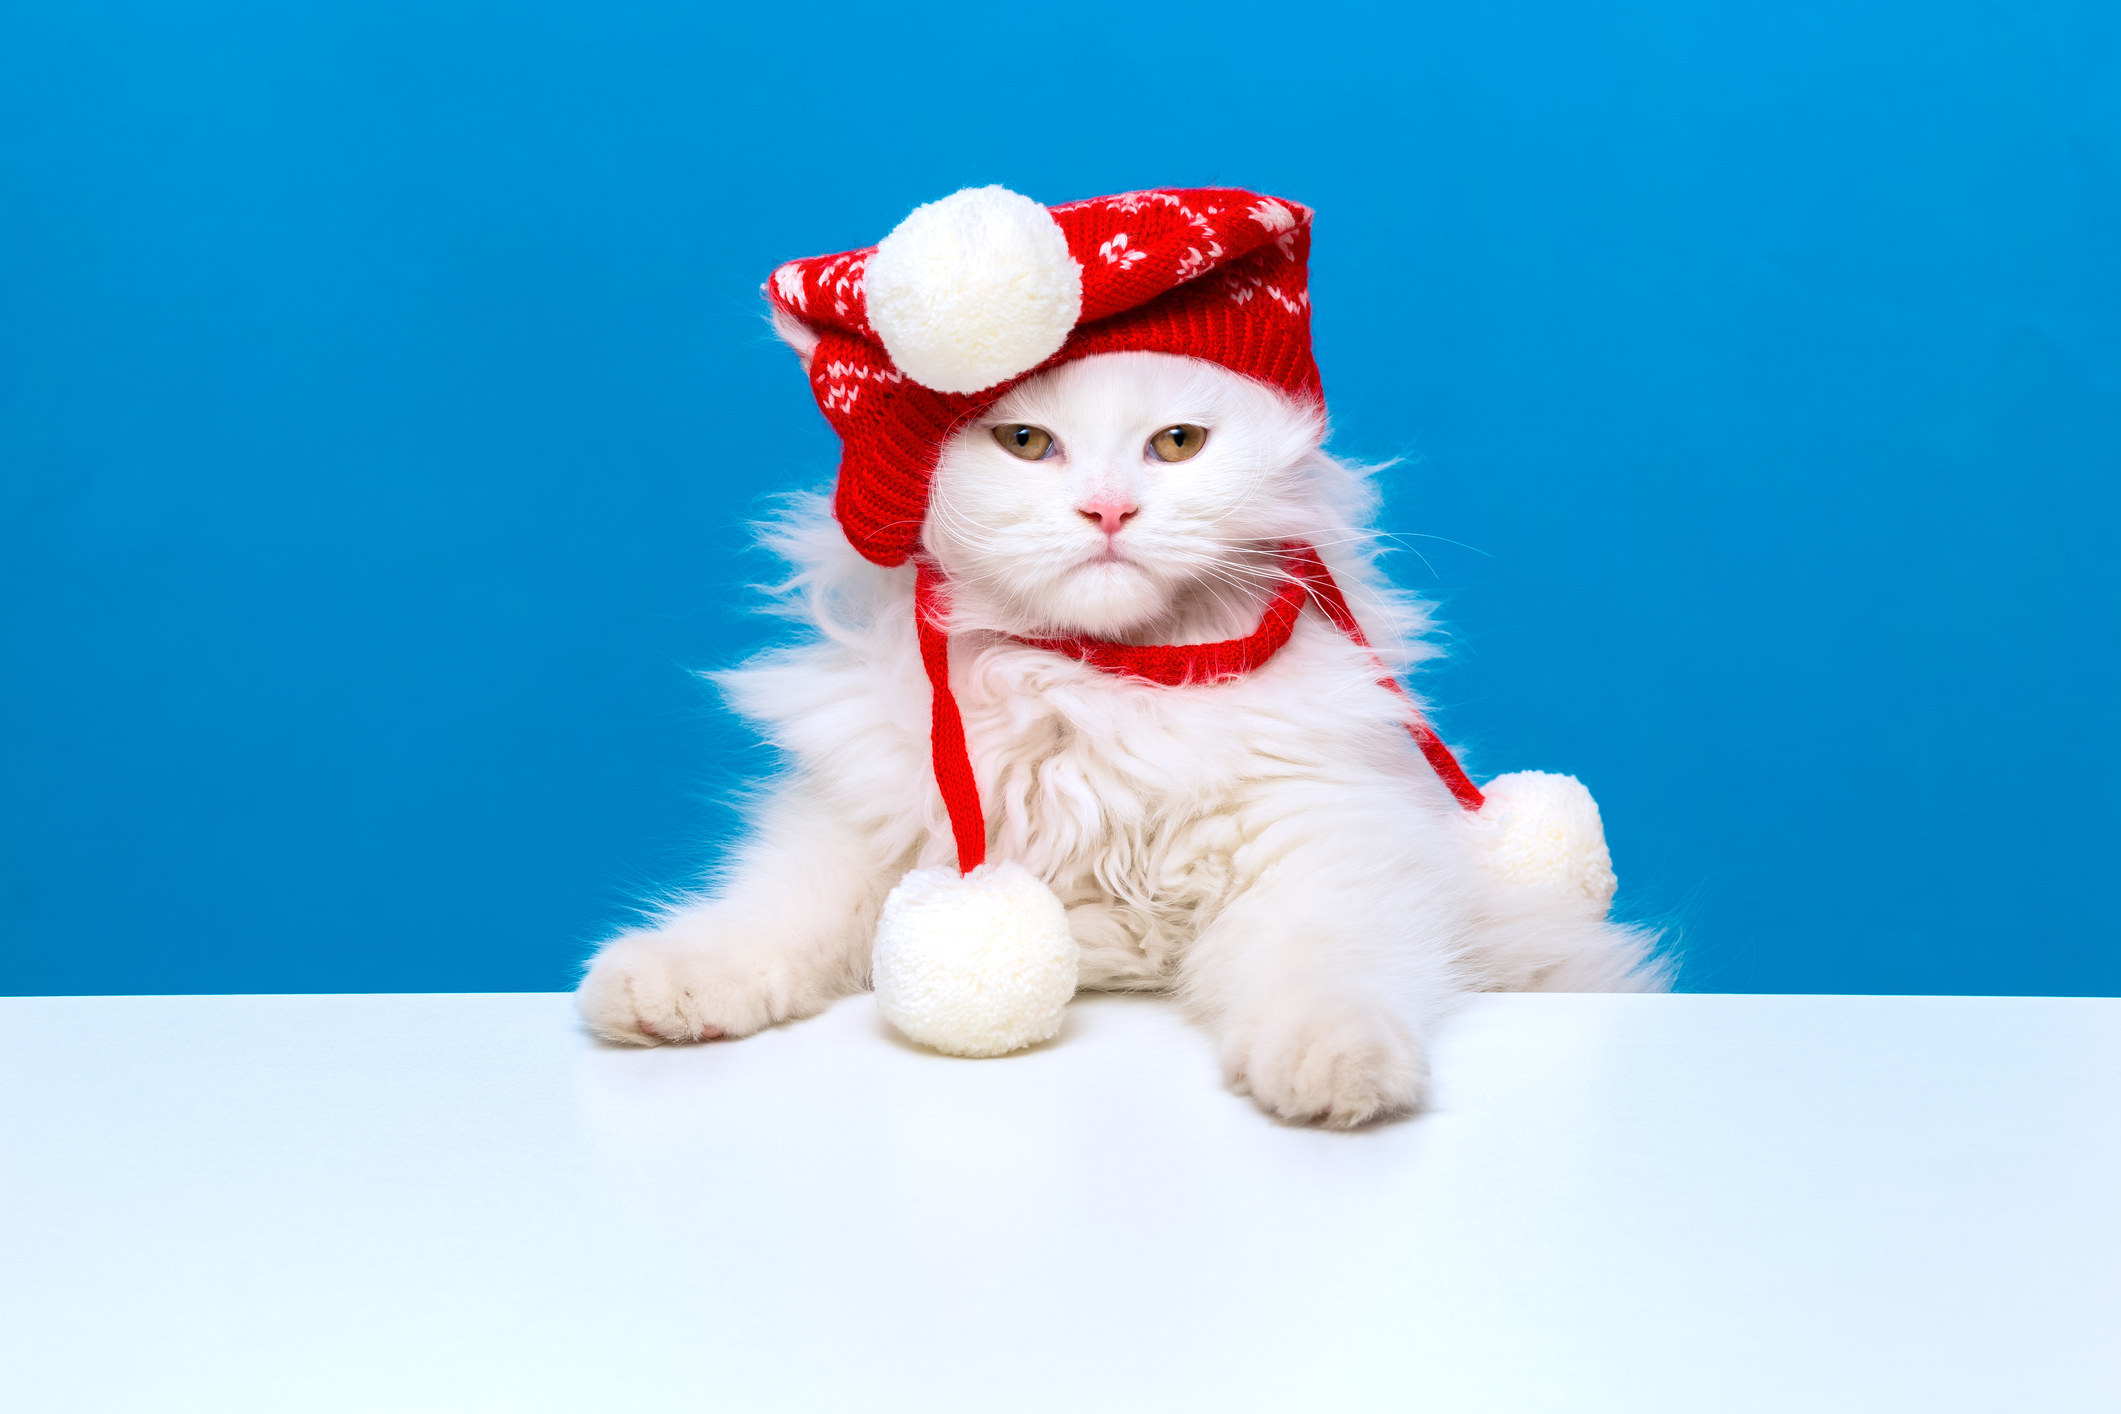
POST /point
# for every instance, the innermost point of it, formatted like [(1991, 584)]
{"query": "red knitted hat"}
[(971, 294)]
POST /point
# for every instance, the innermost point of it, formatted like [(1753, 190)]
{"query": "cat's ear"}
[(794, 333)]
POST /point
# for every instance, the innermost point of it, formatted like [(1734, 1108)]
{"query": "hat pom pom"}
[(1540, 830), (973, 289), (979, 964)]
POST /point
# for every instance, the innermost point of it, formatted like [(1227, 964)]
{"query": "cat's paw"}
[(646, 989), (1322, 1062)]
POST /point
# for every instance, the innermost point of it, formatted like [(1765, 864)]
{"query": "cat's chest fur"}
[(1146, 808)]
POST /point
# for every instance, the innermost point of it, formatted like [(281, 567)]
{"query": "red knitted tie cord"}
[(1162, 664)]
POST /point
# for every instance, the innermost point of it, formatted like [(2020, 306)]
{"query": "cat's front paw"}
[(1322, 1062), (646, 989)]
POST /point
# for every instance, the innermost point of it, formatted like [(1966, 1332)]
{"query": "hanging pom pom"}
[(1541, 830), (979, 964), (973, 289)]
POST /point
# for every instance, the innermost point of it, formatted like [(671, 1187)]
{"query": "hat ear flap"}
[(794, 333)]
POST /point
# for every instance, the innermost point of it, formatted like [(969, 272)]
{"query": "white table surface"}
[(454, 1203)]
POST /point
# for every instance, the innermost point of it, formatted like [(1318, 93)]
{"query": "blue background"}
[(383, 395)]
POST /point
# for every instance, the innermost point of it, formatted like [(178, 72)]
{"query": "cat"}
[(1271, 850)]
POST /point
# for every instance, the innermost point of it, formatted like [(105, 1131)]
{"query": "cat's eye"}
[(1020, 439), (1178, 443)]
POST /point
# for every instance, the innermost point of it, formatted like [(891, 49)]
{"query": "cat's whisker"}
[(1368, 542), (1424, 535)]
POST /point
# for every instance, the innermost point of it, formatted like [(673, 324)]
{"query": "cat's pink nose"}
[(1108, 512)]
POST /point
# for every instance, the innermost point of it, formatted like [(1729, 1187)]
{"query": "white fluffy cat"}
[(1272, 849)]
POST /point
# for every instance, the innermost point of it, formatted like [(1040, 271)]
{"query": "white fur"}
[(1272, 849), (975, 965), (794, 333), (973, 289)]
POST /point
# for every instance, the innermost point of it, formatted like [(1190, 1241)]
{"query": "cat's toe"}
[(1335, 1066), (622, 998)]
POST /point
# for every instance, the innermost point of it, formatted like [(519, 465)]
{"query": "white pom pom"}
[(1540, 830), (973, 289), (978, 965)]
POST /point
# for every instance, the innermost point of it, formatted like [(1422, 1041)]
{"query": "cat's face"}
[(1096, 497)]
